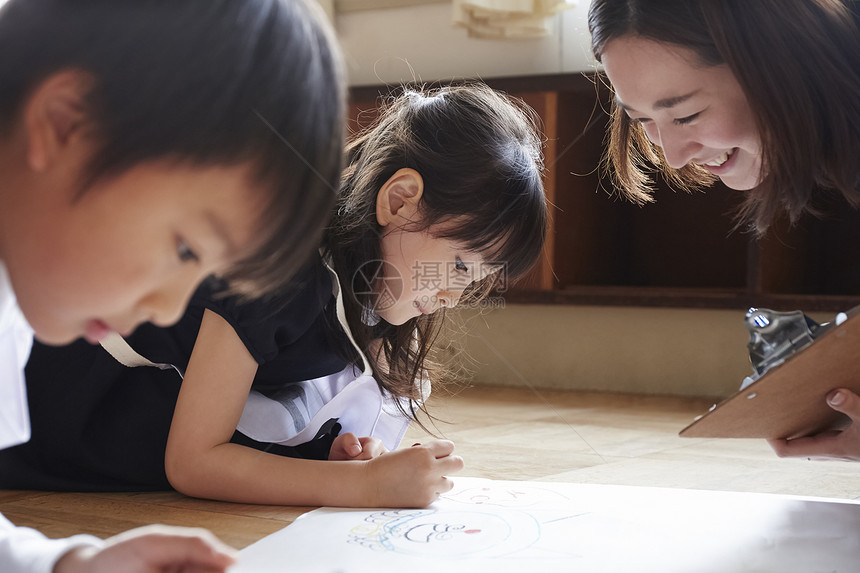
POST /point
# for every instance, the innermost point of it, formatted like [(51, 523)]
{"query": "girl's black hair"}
[(203, 83), (480, 158)]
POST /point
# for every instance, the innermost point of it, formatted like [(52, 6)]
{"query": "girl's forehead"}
[(488, 255)]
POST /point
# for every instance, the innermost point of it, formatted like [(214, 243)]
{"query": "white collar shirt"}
[(16, 340), (22, 550)]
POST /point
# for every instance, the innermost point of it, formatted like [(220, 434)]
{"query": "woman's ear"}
[(398, 198), (54, 116)]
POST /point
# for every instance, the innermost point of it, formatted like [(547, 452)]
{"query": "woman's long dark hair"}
[(798, 64), (480, 157)]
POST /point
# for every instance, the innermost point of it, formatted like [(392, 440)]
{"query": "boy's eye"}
[(460, 265), (184, 252), (686, 120)]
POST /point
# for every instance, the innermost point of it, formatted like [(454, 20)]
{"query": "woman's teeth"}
[(719, 160)]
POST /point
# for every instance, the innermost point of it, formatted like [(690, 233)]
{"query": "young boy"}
[(145, 145)]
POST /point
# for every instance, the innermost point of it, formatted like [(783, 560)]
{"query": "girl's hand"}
[(348, 447), (832, 445), (412, 477), (151, 549)]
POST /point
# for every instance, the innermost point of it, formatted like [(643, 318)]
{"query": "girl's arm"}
[(200, 461)]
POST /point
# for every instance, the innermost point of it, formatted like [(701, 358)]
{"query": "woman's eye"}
[(184, 252), (686, 120), (460, 265)]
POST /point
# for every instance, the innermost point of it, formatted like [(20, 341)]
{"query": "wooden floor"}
[(507, 434)]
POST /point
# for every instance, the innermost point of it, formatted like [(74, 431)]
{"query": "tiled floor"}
[(509, 434)]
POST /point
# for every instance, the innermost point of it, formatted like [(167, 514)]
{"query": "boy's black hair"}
[(202, 83)]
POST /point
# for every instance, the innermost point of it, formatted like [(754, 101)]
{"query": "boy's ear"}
[(55, 116), (398, 198)]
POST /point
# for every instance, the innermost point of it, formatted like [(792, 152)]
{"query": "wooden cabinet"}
[(680, 251)]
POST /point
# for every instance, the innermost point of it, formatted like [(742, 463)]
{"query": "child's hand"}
[(831, 445), (151, 549), (413, 477), (348, 447)]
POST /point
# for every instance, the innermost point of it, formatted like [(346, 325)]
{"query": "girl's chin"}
[(399, 318), (393, 318)]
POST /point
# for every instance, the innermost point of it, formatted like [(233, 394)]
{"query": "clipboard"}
[(788, 400)]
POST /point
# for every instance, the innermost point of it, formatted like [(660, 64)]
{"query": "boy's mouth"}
[(96, 330)]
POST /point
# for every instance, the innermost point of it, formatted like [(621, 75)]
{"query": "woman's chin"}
[(742, 185), (741, 179)]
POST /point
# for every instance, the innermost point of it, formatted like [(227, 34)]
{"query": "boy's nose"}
[(164, 307)]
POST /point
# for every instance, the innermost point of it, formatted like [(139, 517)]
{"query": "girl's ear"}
[(54, 116), (397, 200)]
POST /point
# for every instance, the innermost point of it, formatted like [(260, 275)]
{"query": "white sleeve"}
[(25, 550)]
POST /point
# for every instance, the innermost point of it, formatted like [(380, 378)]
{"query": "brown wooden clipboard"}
[(788, 401)]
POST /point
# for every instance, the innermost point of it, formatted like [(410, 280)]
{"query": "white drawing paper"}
[(530, 527)]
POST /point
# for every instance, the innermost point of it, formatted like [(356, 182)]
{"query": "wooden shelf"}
[(682, 250)]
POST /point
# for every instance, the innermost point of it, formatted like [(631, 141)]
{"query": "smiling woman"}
[(762, 95), (697, 115)]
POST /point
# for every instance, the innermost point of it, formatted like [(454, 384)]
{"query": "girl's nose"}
[(448, 299)]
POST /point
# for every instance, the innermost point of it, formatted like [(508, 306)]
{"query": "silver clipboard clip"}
[(777, 336)]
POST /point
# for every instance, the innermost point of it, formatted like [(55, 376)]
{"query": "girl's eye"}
[(460, 265), (184, 252), (686, 120)]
